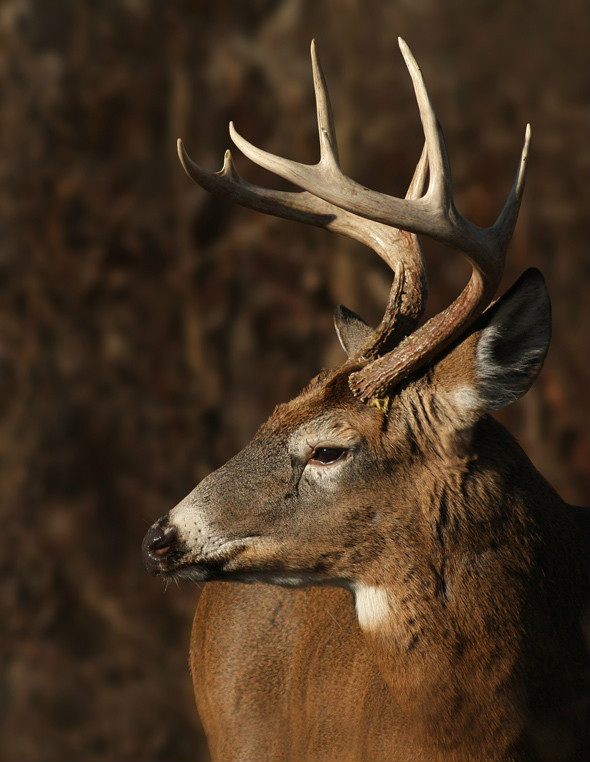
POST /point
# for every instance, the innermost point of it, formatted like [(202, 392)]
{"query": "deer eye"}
[(327, 455)]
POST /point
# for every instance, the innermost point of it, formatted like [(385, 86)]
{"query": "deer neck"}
[(440, 616)]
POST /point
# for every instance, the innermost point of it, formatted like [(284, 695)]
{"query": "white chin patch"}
[(372, 605)]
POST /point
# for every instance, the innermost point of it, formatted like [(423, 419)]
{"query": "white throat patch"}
[(372, 606)]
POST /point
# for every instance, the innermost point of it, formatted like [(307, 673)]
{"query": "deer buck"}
[(421, 591)]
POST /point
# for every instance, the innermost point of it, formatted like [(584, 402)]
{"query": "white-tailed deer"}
[(441, 584)]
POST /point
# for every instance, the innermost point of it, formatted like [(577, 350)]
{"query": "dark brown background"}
[(147, 329)]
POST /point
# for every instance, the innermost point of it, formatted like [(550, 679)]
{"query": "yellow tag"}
[(381, 403)]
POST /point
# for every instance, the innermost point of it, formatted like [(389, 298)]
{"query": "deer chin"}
[(215, 571), (243, 560), (214, 561)]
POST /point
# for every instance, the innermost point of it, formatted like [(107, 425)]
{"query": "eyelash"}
[(327, 455)]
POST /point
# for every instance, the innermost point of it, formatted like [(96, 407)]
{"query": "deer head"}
[(338, 486)]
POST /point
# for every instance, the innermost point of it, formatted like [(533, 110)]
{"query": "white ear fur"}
[(514, 341)]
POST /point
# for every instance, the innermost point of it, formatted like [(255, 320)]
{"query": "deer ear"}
[(512, 338), (351, 329)]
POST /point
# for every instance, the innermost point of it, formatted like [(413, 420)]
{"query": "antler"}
[(399, 249), (374, 218), (433, 214)]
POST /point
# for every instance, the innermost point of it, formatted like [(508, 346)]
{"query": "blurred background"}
[(146, 329)]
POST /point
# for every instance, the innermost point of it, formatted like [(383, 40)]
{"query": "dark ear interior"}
[(514, 335), (352, 330)]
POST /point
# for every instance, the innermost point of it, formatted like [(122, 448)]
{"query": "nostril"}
[(156, 544), (161, 539)]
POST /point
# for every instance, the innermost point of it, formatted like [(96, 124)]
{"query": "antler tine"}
[(506, 222), (439, 187), (326, 130)]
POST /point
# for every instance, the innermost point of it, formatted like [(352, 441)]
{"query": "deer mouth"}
[(165, 553)]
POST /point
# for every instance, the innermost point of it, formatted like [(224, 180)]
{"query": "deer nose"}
[(157, 543)]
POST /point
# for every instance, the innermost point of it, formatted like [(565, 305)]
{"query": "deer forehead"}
[(306, 423)]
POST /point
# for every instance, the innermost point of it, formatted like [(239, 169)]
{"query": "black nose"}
[(157, 544)]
